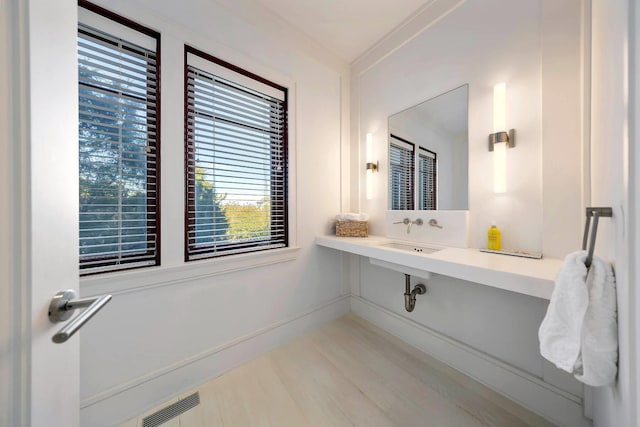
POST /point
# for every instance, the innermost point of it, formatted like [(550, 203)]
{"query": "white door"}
[(39, 217), (614, 183)]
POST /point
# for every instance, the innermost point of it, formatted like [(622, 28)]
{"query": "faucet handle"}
[(404, 221), (434, 223)]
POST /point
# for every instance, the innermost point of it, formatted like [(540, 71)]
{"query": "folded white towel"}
[(579, 331), (560, 330), (352, 216), (600, 329)]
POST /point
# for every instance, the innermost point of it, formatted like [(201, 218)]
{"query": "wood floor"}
[(348, 373)]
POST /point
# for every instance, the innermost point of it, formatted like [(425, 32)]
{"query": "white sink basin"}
[(409, 247), (399, 265)]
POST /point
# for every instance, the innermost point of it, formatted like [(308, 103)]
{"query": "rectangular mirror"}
[(429, 154)]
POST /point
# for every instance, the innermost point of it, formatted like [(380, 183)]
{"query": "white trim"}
[(15, 326), (634, 210), (345, 146), (534, 394), (585, 137), (432, 12), (147, 391), (150, 278), (292, 147)]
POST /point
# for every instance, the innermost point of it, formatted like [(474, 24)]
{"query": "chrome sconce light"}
[(371, 166), (500, 139)]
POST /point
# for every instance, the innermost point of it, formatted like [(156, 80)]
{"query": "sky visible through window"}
[(233, 134), (227, 167)]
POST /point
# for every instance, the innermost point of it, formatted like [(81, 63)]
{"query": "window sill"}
[(154, 277)]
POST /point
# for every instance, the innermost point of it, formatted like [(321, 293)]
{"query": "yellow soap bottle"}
[(493, 238)]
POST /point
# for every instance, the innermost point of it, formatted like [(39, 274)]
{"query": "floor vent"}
[(171, 411)]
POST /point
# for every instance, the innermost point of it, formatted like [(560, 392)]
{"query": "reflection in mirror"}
[(429, 154)]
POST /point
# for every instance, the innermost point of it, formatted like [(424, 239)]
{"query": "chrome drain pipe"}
[(410, 295)]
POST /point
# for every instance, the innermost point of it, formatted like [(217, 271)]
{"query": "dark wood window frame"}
[(414, 183), (411, 172), (120, 263), (221, 249), (433, 199)]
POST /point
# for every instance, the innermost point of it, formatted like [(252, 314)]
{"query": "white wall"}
[(172, 328), (498, 323), (614, 182), (463, 49), (535, 51), (565, 123)]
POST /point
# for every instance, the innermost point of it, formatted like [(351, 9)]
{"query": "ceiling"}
[(348, 28)]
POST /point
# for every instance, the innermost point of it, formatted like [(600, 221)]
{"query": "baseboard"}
[(556, 405), (126, 401)]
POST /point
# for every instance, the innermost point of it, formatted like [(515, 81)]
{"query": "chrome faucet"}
[(409, 223), (434, 223)]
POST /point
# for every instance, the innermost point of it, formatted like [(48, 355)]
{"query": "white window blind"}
[(401, 171), (236, 161), (426, 179), (118, 143)]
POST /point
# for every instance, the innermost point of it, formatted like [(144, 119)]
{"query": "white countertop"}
[(527, 276)]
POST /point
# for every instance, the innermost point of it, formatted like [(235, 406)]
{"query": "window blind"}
[(426, 179), (401, 170), (236, 163), (118, 152)]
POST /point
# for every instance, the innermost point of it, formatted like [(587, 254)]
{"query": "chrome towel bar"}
[(596, 213), (62, 307)]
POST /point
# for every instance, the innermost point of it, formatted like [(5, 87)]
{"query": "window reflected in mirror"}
[(428, 154)]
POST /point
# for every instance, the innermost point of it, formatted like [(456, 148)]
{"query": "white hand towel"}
[(561, 328), (579, 331), (352, 216), (600, 329)]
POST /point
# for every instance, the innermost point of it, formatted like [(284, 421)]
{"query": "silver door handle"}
[(62, 307)]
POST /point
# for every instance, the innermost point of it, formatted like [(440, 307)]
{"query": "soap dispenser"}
[(493, 238)]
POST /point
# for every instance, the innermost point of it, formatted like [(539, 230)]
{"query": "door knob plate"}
[(57, 307)]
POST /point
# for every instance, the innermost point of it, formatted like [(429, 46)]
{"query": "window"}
[(235, 159), (426, 179), (118, 142), (404, 178), (401, 171)]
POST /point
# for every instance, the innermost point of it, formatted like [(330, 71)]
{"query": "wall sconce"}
[(500, 139), (371, 166)]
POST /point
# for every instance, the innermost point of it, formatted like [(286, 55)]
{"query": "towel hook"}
[(596, 213)]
